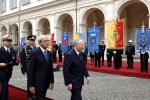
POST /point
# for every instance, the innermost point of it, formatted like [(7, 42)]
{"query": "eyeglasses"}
[(45, 41)]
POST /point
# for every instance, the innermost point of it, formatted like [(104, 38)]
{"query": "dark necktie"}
[(45, 54), (80, 56)]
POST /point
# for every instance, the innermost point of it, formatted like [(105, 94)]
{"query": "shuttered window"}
[(13, 3), (24, 1), (2, 5)]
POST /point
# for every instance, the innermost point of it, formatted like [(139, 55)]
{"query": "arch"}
[(25, 25), (88, 11), (61, 17), (39, 19), (125, 3)]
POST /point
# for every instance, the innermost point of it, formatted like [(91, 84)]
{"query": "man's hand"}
[(22, 71), (32, 90), (69, 87), (51, 87), (2, 64), (88, 80)]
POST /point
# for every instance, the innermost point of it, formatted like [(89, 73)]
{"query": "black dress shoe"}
[(141, 71), (146, 71)]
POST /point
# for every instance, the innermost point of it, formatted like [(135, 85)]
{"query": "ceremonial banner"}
[(75, 36), (115, 34), (65, 41), (82, 36), (23, 39), (10, 32), (142, 40), (7, 30), (93, 39), (51, 43)]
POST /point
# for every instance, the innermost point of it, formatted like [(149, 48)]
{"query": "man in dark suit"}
[(84, 53), (71, 46), (117, 59), (130, 52), (24, 57), (7, 61), (40, 69), (55, 48), (102, 48), (144, 61), (60, 52), (74, 70), (109, 55)]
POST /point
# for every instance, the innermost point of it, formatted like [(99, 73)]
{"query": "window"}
[(13, 3), (2, 5), (24, 1)]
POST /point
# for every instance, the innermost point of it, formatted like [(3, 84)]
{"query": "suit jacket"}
[(59, 49), (130, 50), (10, 60), (102, 49), (55, 48), (109, 53), (40, 71), (24, 57), (74, 69)]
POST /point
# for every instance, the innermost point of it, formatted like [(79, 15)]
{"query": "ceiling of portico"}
[(27, 27)]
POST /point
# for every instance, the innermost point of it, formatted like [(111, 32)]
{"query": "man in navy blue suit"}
[(40, 69), (74, 70)]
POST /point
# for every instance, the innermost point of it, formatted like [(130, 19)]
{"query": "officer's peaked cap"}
[(130, 40), (31, 37), (6, 37)]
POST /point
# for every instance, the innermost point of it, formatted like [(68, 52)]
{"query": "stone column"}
[(58, 34), (83, 29)]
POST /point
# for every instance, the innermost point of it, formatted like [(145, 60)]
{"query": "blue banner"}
[(82, 36), (93, 39), (142, 40), (65, 41), (23, 39), (10, 32)]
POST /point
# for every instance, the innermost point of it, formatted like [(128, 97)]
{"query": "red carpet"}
[(135, 72), (18, 94)]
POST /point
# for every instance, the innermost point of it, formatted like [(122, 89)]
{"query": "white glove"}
[(139, 54), (114, 51), (132, 55)]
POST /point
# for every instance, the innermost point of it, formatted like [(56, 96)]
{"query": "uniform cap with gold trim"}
[(6, 37), (31, 37)]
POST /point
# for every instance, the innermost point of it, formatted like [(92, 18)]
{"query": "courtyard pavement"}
[(102, 87)]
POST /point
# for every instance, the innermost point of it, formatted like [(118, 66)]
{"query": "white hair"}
[(77, 41), (40, 38)]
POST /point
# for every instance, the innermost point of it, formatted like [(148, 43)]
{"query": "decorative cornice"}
[(34, 8)]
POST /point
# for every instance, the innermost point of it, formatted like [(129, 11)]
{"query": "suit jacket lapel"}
[(42, 54), (76, 55)]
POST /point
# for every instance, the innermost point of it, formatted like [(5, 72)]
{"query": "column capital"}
[(85, 25)]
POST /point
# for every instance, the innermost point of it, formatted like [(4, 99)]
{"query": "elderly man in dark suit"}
[(40, 69), (74, 70), (7, 61)]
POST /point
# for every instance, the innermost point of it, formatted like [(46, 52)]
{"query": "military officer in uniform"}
[(144, 61), (109, 55), (117, 55), (71, 45), (55, 48), (60, 52), (7, 61), (102, 48), (25, 52), (130, 52)]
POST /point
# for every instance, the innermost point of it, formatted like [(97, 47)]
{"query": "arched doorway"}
[(27, 29), (91, 16), (15, 34), (64, 24), (135, 13), (43, 27), (3, 30)]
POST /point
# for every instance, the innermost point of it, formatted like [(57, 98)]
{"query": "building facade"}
[(73, 16)]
